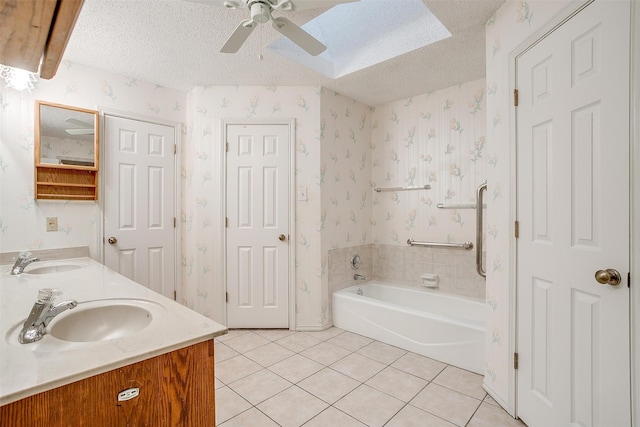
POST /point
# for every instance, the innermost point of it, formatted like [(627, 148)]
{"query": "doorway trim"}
[(634, 204), (177, 194), (291, 123)]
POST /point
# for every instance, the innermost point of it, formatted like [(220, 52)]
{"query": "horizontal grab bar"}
[(458, 206), (424, 187), (466, 245)]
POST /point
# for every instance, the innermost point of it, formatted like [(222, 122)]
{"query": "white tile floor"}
[(337, 378)]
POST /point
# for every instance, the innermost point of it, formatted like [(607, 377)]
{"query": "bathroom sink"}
[(104, 320), (54, 268)]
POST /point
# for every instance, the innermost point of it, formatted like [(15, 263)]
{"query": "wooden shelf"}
[(56, 183)]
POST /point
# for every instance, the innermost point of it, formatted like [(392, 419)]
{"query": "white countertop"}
[(27, 369)]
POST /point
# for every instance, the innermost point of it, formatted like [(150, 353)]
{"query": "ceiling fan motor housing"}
[(260, 12)]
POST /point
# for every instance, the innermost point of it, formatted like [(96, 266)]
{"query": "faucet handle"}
[(47, 295)]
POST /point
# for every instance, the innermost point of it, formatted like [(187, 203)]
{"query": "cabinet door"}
[(175, 389)]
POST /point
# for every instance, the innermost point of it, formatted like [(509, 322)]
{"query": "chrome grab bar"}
[(424, 187), (465, 245), (479, 225)]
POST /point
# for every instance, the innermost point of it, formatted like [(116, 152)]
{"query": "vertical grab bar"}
[(479, 225)]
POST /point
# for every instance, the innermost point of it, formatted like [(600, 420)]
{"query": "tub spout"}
[(359, 277)]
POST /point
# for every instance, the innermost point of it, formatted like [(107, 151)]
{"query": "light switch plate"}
[(52, 223), (302, 194)]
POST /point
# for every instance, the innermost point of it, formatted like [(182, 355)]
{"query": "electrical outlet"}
[(52, 223)]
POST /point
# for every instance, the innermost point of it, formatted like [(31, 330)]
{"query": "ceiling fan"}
[(260, 13), (84, 129)]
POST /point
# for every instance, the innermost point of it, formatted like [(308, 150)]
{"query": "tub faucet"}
[(359, 277), (41, 314), (22, 261)]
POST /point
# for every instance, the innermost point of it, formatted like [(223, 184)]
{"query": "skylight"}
[(361, 34)]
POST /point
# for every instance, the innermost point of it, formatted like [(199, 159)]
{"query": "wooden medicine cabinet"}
[(66, 152)]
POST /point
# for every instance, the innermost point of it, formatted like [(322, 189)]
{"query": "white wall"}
[(22, 219)]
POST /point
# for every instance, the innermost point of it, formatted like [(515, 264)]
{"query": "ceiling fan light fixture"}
[(260, 13), (231, 4)]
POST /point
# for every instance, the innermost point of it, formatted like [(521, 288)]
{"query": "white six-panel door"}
[(573, 210), (257, 246), (139, 208)]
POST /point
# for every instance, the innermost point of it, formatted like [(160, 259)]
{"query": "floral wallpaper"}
[(513, 24), (438, 139), (22, 219), (332, 137)]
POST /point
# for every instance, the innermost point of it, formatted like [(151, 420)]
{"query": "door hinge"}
[(516, 230), (226, 296), (226, 221), (175, 222), (175, 149), (515, 97), (175, 295), (629, 280), (226, 147), (515, 360)]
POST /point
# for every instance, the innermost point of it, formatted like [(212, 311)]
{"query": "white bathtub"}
[(444, 327)]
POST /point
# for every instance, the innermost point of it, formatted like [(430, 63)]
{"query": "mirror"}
[(66, 137)]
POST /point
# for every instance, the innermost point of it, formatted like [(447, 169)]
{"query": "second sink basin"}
[(104, 320), (56, 268)]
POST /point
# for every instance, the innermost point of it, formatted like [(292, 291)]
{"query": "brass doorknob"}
[(282, 237), (608, 277), (112, 240)]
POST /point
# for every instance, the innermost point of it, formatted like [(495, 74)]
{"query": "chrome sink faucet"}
[(22, 261), (42, 313)]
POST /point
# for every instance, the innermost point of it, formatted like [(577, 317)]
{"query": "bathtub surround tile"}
[(398, 384), (246, 342), (369, 405), (462, 381), (235, 368), (410, 416), (296, 368), (329, 385), (447, 404), (419, 366), (350, 341), (229, 404), (269, 354), (292, 407), (260, 386), (488, 415), (381, 352), (326, 353), (333, 417), (298, 342), (250, 418), (223, 352), (327, 397)]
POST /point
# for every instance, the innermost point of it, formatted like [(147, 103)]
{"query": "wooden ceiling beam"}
[(64, 21)]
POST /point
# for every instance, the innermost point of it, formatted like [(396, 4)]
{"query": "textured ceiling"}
[(175, 43)]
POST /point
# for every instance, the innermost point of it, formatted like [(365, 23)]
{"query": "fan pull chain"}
[(260, 57)]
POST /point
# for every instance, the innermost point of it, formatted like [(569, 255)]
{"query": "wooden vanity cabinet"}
[(176, 389)]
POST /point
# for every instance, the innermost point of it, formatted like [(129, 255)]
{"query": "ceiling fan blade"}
[(239, 36), (313, 4), (229, 4), (79, 131), (298, 36)]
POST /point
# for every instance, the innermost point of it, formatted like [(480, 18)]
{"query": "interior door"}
[(573, 210), (257, 244), (139, 207)]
